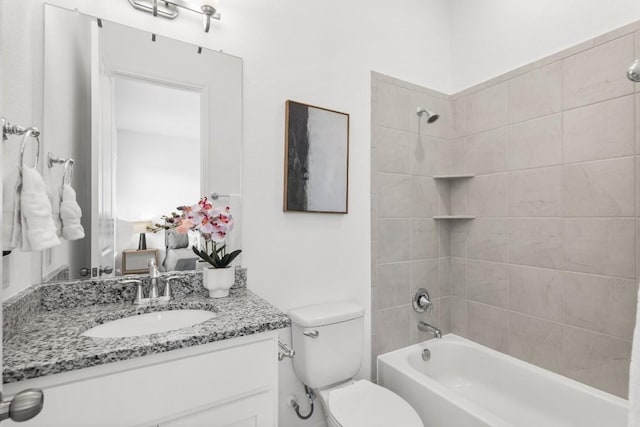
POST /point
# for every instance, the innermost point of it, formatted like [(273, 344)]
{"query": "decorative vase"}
[(218, 281)]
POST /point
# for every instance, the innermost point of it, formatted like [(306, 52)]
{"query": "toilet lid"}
[(364, 404)]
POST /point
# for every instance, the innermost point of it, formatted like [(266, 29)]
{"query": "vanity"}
[(222, 371)]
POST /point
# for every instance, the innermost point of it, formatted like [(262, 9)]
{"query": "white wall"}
[(21, 46), (491, 37)]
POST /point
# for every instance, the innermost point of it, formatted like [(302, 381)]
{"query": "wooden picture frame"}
[(136, 262), (316, 159)]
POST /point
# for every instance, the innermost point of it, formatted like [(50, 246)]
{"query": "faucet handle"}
[(167, 286), (139, 295)]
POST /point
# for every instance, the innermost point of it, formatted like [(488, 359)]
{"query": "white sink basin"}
[(150, 323)]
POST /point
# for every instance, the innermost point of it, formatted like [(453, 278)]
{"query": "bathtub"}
[(466, 384)]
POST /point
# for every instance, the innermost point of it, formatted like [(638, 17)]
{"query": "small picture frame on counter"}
[(137, 262)]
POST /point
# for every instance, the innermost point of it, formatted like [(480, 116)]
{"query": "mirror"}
[(151, 123)]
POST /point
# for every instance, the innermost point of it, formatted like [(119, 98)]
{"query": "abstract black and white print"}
[(317, 155)]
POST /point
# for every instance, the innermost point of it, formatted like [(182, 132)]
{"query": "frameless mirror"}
[(151, 123)]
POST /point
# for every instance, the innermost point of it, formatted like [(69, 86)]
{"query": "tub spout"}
[(425, 327)]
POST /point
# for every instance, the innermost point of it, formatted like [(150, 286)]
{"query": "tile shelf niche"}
[(445, 177), (453, 178)]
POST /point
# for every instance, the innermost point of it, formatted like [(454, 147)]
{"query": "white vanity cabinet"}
[(231, 383)]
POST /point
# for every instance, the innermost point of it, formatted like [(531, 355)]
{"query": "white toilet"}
[(327, 339)]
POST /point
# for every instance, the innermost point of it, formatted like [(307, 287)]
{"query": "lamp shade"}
[(141, 226)]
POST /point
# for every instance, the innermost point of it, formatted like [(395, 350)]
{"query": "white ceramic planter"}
[(218, 280)]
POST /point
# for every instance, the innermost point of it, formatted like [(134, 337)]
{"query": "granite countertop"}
[(50, 340)]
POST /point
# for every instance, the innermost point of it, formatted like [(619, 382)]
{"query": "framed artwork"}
[(137, 261), (316, 166)]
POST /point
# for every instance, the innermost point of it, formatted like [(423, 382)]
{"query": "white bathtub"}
[(466, 384)]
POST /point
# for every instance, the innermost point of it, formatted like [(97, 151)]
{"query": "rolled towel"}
[(70, 214), (38, 227), (55, 197)]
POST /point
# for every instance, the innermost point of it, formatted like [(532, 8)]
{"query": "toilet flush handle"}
[(311, 333)]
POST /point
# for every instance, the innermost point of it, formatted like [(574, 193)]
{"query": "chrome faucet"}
[(154, 297), (425, 327)]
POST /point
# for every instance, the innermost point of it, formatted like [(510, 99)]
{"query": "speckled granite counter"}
[(48, 340)]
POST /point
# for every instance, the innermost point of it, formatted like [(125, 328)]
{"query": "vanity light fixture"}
[(170, 9)]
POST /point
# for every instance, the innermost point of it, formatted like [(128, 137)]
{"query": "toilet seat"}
[(364, 404)]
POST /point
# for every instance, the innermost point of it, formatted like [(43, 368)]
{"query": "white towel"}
[(38, 228), (634, 377), (70, 214), (55, 197), (11, 211)]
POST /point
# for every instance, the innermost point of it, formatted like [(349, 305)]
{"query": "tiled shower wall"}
[(548, 271), (409, 248)]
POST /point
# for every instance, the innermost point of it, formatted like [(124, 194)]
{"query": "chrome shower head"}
[(431, 116), (633, 73)]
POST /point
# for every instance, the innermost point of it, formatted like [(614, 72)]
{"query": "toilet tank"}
[(327, 339)]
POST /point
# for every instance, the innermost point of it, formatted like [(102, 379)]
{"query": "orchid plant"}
[(213, 224)]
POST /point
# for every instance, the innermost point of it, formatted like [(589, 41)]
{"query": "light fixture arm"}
[(170, 9)]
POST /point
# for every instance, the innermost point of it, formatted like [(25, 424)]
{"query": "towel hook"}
[(67, 176), (30, 132)]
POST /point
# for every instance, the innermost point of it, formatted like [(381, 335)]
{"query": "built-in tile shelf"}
[(454, 217), (463, 176)]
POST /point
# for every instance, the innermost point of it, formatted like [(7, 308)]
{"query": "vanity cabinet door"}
[(253, 411), (231, 383)]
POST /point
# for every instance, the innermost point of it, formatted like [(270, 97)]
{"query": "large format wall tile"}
[(459, 277), (393, 237), (536, 93), (600, 303), (536, 291), (393, 195), (487, 240), (458, 308), (425, 274), (488, 282), (424, 198), (488, 108), (600, 131), (488, 326), (598, 74), (449, 157), (536, 242), (602, 188), (536, 341), (457, 127), (393, 284), (392, 328), (535, 192), (424, 239), (600, 246), (391, 106), (392, 150), (536, 143), (422, 154), (487, 152), (597, 360), (487, 196)]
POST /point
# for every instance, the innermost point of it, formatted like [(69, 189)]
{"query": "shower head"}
[(633, 73), (431, 116)]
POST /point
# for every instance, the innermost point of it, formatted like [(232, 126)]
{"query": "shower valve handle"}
[(422, 301)]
